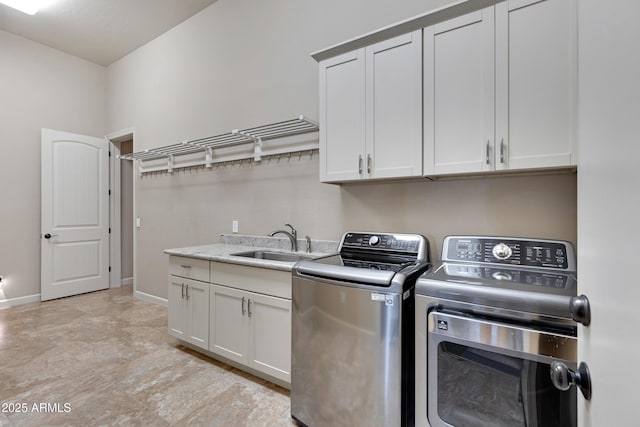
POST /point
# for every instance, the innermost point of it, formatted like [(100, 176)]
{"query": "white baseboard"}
[(151, 298), (11, 302), (127, 281)]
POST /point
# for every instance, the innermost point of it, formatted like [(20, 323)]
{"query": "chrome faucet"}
[(293, 236)]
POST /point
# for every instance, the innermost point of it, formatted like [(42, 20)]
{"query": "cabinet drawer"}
[(190, 268), (260, 280)]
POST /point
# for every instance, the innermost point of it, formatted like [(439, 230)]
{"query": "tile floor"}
[(105, 358)]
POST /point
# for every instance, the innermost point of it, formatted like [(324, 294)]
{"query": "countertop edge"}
[(221, 252)]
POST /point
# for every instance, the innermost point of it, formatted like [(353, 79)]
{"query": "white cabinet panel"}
[(177, 316), (536, 81), (271, 335), (188, 317), (342, 117), (197, 294), (228, 323), (190, 268), (459, 94), (394, 105)]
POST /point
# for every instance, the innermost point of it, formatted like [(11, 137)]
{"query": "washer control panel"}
[(553, 254), (404, 243)]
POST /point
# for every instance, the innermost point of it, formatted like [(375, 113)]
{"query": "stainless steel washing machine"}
[(352, 332)]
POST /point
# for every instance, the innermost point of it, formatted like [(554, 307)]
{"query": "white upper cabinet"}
[(459, 94), (500, 89), (370, 112), (536, 84)]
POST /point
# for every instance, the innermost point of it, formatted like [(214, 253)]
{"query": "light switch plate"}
[(234, 226), (138, 222)]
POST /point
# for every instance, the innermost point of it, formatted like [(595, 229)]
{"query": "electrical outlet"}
[(234, 226)]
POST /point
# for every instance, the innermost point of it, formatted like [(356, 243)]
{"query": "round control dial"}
[(501, 251), (374, 240)]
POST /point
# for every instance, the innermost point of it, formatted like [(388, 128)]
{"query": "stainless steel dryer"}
[(496, 335)]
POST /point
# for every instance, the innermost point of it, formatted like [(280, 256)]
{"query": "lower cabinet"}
[(251, 329), (240, 313), (188, 317)]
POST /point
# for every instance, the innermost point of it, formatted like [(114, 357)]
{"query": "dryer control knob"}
[(501, 251), (374, 240)]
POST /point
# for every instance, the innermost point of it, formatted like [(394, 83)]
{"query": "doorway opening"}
[(122, 211)]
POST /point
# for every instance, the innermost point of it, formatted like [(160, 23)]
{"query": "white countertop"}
[(222, 252)]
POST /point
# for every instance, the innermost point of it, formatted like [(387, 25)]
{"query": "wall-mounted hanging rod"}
[(255, 135)]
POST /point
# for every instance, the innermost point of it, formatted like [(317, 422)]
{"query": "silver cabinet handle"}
[(249, 307), (501, 150), (183, 291), (243, 306), (369, 163), (187, 292), (487, 159), (360, 164)]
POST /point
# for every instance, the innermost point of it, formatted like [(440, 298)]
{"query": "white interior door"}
[(75, 214)]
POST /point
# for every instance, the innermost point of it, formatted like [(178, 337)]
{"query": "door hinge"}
[(109, 230), (109, 192), (109, 268), (109, 153)]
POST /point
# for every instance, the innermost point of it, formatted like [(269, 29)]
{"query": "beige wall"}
[(242, 63), (39, 88)]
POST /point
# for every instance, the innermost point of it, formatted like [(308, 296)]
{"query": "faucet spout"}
[(292, 238)]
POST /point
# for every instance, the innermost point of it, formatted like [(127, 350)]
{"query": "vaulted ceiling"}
[(100, 31)]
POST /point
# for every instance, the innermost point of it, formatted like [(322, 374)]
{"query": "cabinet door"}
[(459, 94), (394, 107), (177, 316), (342, 117), (536, 78), (270, 335), (228, 323), (197, 296)]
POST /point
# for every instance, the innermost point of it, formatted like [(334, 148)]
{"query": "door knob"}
[(48, 236), (563, 378)]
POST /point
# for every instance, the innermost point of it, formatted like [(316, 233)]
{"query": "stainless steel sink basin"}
[(274, 256)]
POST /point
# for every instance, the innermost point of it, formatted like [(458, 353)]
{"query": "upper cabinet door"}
[(342, 117), (459, 94), (394, 107), (536, 84)]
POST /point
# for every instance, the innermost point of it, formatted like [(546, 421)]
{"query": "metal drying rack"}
[(256, 136)]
